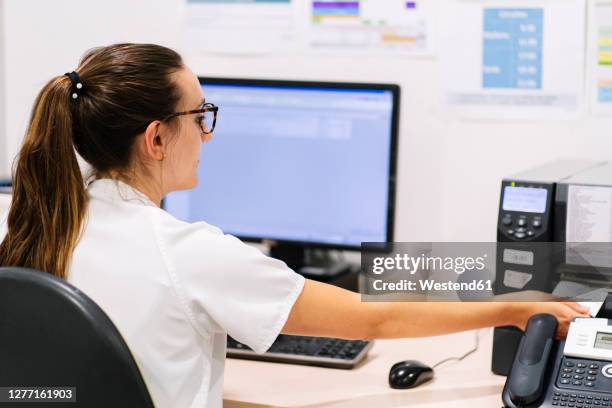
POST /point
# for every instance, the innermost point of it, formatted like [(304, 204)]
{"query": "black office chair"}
[(53, 335)]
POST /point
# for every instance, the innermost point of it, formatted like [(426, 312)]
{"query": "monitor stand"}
[(308, 261)]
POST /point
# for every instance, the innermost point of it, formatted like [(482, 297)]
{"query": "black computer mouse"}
[(409, 374)]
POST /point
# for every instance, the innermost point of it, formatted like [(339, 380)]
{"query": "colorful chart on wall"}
[(600, 57), (239, 26), (372, 26), (520, 59)]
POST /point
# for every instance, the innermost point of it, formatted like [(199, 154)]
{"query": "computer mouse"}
[(409, 374)]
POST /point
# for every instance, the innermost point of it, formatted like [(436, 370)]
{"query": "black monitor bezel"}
[(395, 91)]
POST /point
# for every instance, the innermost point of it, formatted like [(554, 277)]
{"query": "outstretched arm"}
[(325, 310)]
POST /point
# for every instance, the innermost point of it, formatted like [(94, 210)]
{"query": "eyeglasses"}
[(207, 119)]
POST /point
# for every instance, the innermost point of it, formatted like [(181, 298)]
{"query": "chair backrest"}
[(53, 335)]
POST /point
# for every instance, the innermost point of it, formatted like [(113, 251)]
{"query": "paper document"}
[(592, 306), (239, 26), (372, 26), (589, 214), (521, 59), (589, 229), (600, 57)]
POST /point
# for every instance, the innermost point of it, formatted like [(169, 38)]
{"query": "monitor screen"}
[(303, 162)]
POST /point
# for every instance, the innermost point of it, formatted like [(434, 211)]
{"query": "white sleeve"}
[(245, 293)]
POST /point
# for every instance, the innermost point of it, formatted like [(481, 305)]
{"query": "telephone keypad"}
[(566, 399), (579, 400), (581, 375)]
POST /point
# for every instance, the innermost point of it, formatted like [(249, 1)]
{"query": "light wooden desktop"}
[(468, 383)]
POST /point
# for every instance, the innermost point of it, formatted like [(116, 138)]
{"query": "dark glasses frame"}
[(207, 107)]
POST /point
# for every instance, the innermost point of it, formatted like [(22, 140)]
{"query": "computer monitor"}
[(311, 164)]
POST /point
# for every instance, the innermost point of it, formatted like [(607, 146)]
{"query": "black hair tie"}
[(77, 84)]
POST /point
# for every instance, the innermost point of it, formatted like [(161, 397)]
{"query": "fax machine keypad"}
[(579, 399), (582, 374)]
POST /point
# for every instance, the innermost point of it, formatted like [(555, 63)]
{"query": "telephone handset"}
[(525, 383), (576, 372)]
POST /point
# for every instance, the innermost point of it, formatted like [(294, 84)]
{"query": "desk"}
[(468, 383)]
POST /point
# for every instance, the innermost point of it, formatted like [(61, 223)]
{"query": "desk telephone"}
[(576, 372)]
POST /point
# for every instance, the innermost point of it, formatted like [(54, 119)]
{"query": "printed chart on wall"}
[(601, 57), (521, 59), (404, 27), (239, 26)]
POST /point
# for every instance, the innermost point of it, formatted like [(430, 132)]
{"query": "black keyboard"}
[(315, 351)]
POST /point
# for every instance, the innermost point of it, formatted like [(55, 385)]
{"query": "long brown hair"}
[(125, 88)]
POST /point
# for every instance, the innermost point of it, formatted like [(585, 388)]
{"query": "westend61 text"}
[(431, 285)]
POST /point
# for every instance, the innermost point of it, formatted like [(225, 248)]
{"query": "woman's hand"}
[(564, 312)]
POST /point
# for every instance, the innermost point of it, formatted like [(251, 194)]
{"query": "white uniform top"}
[(175, 290)]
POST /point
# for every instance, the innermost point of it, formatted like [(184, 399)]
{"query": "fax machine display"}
[(525, 199)]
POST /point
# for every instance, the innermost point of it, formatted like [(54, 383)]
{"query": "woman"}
[(137, 115)]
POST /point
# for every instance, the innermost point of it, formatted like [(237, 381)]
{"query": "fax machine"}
[(554, 234)]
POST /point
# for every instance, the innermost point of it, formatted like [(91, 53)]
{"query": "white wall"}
[(449, 170), (4, 173), (5, 203), (47, 38)]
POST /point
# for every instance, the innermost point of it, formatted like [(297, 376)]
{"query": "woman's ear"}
[(153, 144)]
